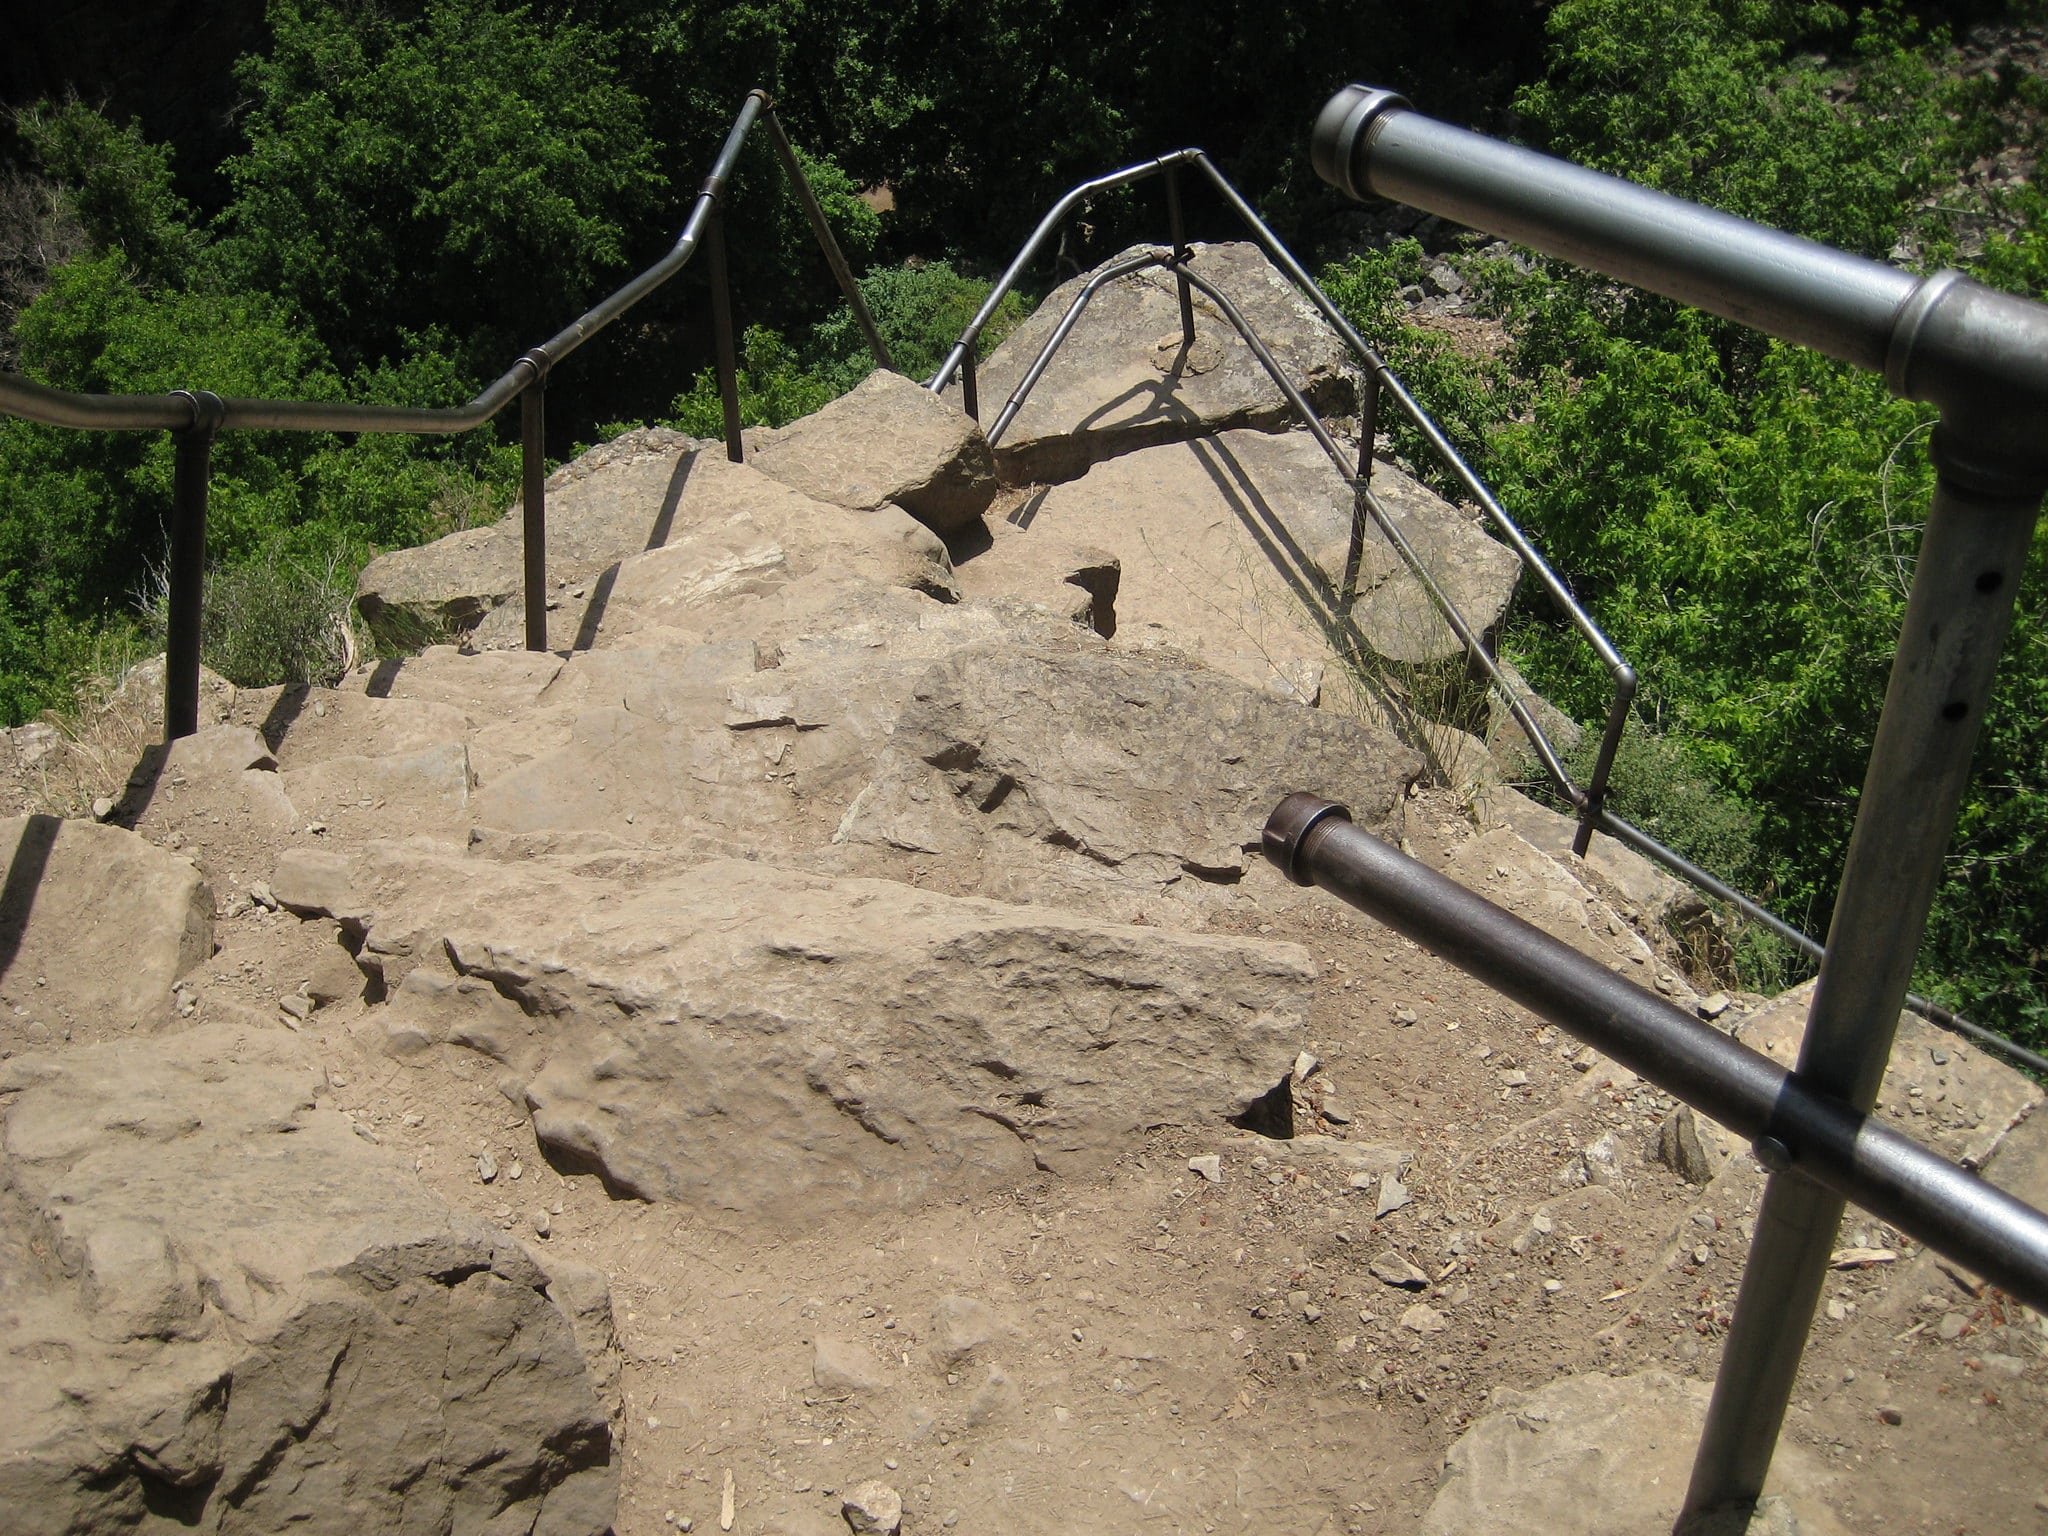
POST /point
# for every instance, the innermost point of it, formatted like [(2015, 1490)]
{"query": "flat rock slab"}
[(217, 1300), (752, 1038), (96, 925), (1938, 1088), (1121, 380), (1156, 771), (886, 441), (746, 535), (1231, 549), (1604, 1455), (303, 725)]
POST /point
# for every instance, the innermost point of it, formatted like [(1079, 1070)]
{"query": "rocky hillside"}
[(816, 1050)]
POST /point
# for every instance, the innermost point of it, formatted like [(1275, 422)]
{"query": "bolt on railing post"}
[(1177, 227), (533, 504), (1972, 551), (186, 583), (721, 333)]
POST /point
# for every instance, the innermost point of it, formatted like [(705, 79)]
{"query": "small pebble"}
[(486, 1167), (1209, 1166), (1890, 1415)]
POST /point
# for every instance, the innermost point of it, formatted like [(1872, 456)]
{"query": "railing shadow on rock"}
[(1590, 799), (197, 417)]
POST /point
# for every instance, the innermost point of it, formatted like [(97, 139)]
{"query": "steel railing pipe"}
[(1797, 1128)]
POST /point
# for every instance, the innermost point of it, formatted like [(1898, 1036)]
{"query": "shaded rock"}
[(1154, 770), (887, 440), (1393, 611), (1679, 1148), (1121, 382), (217, 1298), (1391, 1268), (303, 725), (1601, 1455), (1504, 868), (752, 1038), (583, 1293), (75, 895), (1078, 581), (873, 1507), (318, 882), (1643, 885)]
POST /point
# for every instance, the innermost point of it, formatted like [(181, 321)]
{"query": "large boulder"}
[(1231, 548), (224, 1309), (1154, 770), (754, 1038), (1122, 381), (886, 441), (96, 926)]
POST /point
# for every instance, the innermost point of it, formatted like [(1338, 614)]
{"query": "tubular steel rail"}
[(1591, 799), (197, 417), (1380, 380), (1979, 356)]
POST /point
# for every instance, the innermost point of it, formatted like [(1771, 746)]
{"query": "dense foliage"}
[(421, 188)]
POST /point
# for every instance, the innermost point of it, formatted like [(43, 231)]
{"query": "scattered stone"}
[(542, 1226), (261, 894), (486, 1167), (1713, 1005), (1209, 1166), (1297, 1360), (102, 808), (1513, 1077), (726, 1510), (1423, 1318), (841, 1368), (1305, 1063), (1393, 1195), (960, 1326), (873, 1507), (1951, 1327), (1679, 1147), (1890, 1415), (298, 1007), (1404, 1016), (1333, 1110), (1391, 1268)]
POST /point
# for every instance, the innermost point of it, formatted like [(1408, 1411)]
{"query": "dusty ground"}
[(1163, 1353)]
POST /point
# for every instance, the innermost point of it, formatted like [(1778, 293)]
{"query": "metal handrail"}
[(1979, 356), (1589, 801), (1793, 1125), (198, 416)]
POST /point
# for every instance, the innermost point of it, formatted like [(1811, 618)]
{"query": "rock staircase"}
[(825, 1025)]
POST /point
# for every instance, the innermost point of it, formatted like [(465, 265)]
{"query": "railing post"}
[(1972, 551), (1610, 742), (186, 595), (1368, 443), (970, 394), (835, 258), (533, 503), (721, 333), (1177, 227)]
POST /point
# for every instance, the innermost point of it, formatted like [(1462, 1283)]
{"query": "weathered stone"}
[(751, 537), (1078, 581), (303, 725), (1156, 770), (841, 1368), (1600, 1455), (249, 1314), (1643, 885), (618, 499), (1508, 871), (422, 792), (960, 1326), (107, 920), (887, 440), (1231, 549), (873, 1507), (317, 882), (751, 1038), (1679, 1148), (1121, 381), (1394, 612), (1391, 1268)]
